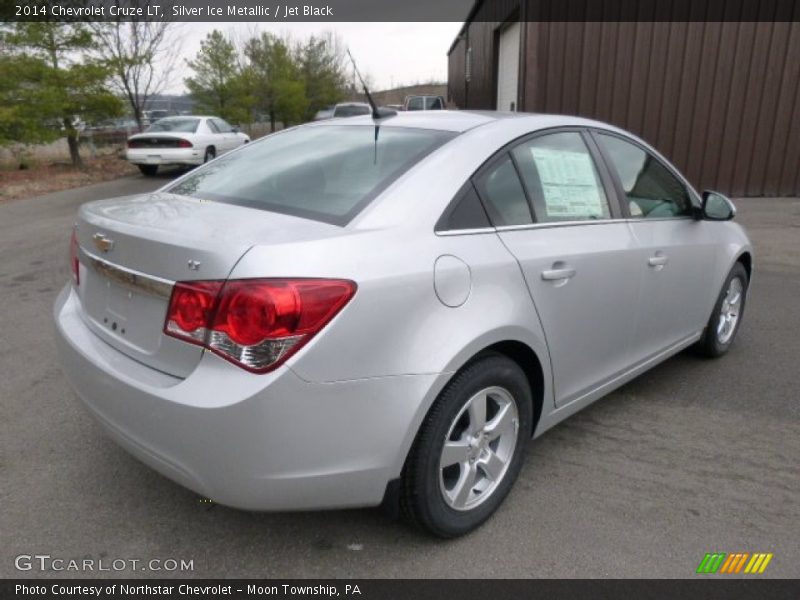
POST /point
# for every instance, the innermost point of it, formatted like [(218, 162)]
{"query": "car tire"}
[(148, 170), (211, 154), (727, 314), (444, 500)]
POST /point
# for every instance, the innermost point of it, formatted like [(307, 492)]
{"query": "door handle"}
[(556, 274), (659, 260)]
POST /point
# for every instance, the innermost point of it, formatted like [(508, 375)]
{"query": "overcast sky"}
[(393, 54)]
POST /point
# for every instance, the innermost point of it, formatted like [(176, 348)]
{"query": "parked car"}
[(325, 113), (424, 103), (191, 140), (351, 109), (338, 317)]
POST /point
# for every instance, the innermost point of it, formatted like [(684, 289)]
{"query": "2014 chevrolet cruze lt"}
[(347, 312)]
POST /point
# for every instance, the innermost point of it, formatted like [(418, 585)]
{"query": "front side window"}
[(651, 189), (561, 178), (327, 173), (503, 195)]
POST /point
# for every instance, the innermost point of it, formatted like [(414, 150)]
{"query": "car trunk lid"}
[(133, 249)]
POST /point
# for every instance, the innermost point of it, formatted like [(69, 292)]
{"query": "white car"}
[(189, 140)]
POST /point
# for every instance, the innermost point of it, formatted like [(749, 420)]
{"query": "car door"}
[(218, 139), (228, 136), (212, 137), (675, 250), (551, 208)]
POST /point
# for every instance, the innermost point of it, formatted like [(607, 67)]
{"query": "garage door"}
[(508, 67)]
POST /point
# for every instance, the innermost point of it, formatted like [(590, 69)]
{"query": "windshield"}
[(327, 173), (181, 125), (351, 111)]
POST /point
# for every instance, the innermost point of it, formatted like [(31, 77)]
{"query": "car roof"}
[(460, 121)]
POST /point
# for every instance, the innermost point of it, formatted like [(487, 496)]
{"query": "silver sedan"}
[(384, 311)]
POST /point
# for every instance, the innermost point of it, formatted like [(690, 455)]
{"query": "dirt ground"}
[(52, 177)]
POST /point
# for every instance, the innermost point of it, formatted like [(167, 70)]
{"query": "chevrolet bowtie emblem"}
[(102, 242)]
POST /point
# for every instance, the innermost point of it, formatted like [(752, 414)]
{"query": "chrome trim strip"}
[(501, 228), (147, 284), (560, 224), (477, 231)]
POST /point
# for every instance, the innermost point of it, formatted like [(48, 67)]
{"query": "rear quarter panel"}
[(396, 324)]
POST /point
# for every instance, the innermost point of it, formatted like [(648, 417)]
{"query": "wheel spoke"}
[(477, 413), (454, 453), (501, 423), (492, 465), (463, 487)]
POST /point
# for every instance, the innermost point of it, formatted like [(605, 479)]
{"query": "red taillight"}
[(190, 309), (184, 144), (256, 323), (73, 258)]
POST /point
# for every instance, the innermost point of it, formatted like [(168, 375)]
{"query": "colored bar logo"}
[(737, 562)]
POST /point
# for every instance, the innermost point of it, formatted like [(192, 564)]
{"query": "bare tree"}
[(141, 55)]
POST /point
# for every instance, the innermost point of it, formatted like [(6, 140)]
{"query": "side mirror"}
[(717, 207)]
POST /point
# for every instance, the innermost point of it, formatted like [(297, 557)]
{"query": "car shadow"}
[(167, 173)]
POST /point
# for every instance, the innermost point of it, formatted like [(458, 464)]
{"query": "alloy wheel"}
[(730, 310), (478, 448)]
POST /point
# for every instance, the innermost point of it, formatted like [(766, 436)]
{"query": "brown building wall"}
[(456, 79), (720, 98)]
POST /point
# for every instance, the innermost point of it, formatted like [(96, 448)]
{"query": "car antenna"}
[(378, 112)]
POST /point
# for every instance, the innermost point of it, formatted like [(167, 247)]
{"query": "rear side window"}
[(561, 178), (503, 195), (222, 126), (326, 173), (651, 189), (465, 212)]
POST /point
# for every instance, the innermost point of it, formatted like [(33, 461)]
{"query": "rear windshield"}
[(180, 125), (327, 173), (433, 103), (351, 111)]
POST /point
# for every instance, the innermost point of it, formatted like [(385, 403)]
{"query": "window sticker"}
[(569, 184)]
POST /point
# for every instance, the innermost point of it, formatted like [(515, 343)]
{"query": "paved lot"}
[(692, 457)]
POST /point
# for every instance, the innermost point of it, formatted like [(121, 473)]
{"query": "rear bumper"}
[(257, 442), (165, 156)]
